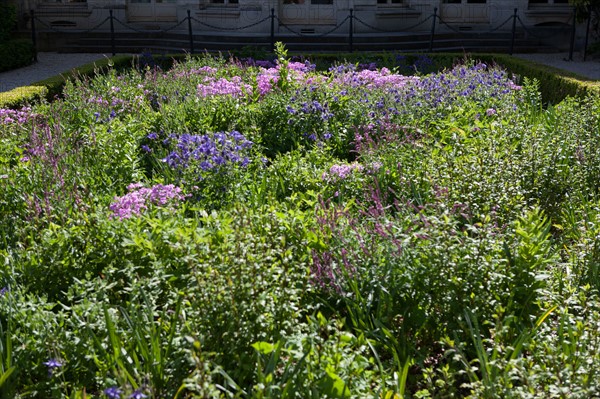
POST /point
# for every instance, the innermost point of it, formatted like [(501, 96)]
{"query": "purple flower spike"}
[(113, 393)]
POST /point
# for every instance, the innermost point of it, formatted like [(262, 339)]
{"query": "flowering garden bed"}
[(237, 228)]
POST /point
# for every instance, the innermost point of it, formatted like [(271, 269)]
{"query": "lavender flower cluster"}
[(223, 87), (477, 83), (370, 79), (341, 172), (139, 198), (10, 116), (208, 151)]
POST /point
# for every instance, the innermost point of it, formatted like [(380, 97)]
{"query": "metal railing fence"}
[(351, 20)]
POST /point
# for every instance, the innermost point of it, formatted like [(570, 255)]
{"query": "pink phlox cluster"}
[(9, 116), (301, 66), (374, 79), (234, 87), (267, 77), (341, 172), (139, 198)]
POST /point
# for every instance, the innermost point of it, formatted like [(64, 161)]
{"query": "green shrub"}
[(15, 53), (52, 87), (8, 20), (554, 84), (21, 96)]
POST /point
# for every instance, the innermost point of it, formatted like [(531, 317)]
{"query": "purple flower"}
[(207, 152), (139, 198), (113, 393), (491, 112), (3, 291), (137, 394), (145, 148), (152, 136), (52, 364)]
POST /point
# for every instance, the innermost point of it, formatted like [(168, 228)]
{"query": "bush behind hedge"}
[(15, 54)]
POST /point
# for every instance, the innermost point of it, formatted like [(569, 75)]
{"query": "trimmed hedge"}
[(52, 87), (22, 96), (15, 54), (555, 84)]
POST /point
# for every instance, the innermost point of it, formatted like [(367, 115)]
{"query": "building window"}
[(225, 2), (549, 2), (389, 2), (464, 1)]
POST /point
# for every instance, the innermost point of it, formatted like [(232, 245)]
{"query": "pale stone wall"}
[(371, 15)]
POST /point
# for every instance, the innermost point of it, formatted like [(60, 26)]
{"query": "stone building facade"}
[(306, 16)]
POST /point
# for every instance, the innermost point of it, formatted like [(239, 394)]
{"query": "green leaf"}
[(333, 386), (264, 348)]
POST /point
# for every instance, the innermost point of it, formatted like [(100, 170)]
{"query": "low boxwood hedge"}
[(52, 87), (555, 84), (22, 96)]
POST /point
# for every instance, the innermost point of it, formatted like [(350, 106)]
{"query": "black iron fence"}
[(351, 20)]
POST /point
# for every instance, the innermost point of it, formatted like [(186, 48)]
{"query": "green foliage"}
[(56, 84), (388, 236), (323, 360), (8, 21), (14, 53)]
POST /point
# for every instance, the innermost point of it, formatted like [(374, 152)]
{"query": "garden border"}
[(554, 84)]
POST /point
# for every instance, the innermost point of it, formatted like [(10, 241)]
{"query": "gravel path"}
[(589, 69), (51, 64), (48, 65)]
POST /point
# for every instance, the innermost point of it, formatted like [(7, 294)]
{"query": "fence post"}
[(351, 29), (190, 32), (432, 30), (587, 32), (573, 27), (33, 35), (272, 30), (112, 32), (513, 33)]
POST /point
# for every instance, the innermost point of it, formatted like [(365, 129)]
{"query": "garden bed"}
[(246, 228)]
